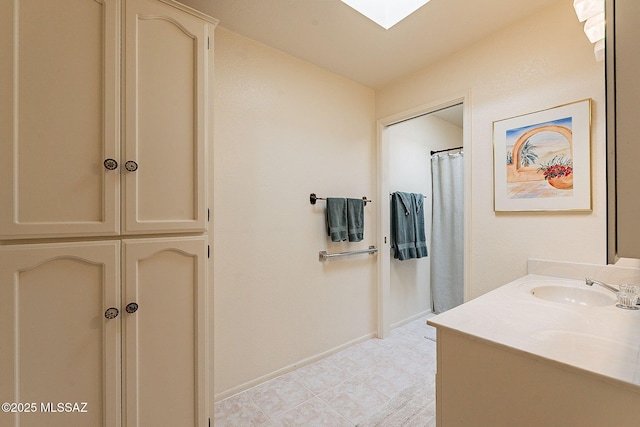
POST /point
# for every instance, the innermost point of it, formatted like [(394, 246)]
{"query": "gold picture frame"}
[(542, 160)]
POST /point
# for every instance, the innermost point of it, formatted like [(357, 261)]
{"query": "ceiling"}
[(332, 35)]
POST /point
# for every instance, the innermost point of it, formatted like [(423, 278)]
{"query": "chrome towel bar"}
[(323, 255)]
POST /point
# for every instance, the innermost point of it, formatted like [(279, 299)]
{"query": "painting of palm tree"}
[(528, 156)]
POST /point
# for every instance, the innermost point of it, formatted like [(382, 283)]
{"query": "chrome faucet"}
[(590, 282), (624, 298)]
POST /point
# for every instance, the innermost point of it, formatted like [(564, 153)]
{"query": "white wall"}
[(410, 144), (541, 62), (283, 129)]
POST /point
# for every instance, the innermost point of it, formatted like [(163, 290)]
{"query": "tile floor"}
[(341, 390)]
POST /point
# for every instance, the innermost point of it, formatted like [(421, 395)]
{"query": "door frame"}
[(384, 210)]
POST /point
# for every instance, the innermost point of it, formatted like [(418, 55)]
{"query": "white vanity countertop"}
[(602, 340)]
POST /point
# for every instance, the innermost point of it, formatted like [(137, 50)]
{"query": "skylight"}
[(386, 13)]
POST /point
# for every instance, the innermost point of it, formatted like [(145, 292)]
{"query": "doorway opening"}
[(405, 143)]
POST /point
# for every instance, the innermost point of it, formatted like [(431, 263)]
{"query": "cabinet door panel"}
[(57, 347), (59, 83), (165, 68), (164, 347)]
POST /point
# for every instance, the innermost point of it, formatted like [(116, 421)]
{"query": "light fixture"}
[(386, 13), (598, 49), (591, 12)]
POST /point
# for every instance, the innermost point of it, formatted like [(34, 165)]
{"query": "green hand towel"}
[(337, 218), (355, 219)]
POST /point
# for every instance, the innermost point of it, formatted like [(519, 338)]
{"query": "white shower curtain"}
[(447, 241)]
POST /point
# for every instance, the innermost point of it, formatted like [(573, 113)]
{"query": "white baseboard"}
[(410, 319), (264, 378)]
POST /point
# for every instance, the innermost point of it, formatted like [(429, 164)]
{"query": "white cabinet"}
[(59, 117), (481, 383), (144, 367), (104, 113), (67, 117), (165, 70), (56, 345), (164, 341)]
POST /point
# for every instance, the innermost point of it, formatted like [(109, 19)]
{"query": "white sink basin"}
[(572, 295)]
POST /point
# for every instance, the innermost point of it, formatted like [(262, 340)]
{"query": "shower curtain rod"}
[(447, 149)]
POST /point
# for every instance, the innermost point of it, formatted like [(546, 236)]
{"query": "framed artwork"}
[(542, 160)]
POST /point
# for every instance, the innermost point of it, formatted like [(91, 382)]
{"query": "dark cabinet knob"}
[(111, 313), (110, 164), (131, 166), (132, 307)]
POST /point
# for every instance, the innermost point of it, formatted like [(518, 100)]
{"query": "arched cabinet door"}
[(59, 114), (164, 332), (164, 158), (57, 345)]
